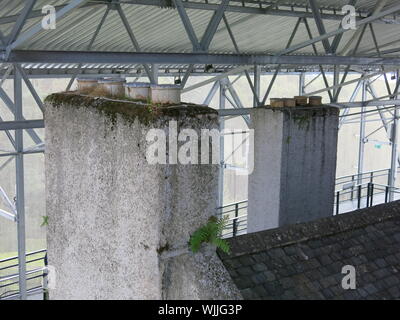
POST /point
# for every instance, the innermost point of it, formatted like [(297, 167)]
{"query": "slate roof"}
[(304, 261)]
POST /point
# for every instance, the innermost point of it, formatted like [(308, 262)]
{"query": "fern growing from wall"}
[(210, 233)]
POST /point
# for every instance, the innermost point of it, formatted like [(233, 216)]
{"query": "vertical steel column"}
[(362, 135), (154, 72), (211, 94), (19, 181), (394, 157), (222, 101), (352, 98), (257, 80), (336, 74), (302, 78)]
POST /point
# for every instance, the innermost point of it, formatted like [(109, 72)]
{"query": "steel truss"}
[(369, 65)]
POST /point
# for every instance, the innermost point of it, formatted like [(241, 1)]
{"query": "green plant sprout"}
[(45, 221), (210, 233)]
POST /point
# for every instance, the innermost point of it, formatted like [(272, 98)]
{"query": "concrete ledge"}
[(284, 236), (130, 109)]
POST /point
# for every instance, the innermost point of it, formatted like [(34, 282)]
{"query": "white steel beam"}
[(187, 25), (8, 215), (7, 201), (19, 24), (320, 24), (31, 88), (11, 106), (213, 25), (348, 82)]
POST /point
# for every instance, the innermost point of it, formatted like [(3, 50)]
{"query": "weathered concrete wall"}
[(265, 180), (197, 276), (294, 166), (111, 213)]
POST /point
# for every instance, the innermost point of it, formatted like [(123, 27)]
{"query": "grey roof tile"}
[(305, 261), (258, 267), (260, 291), (258, 278), (245, 271), (381, 263), (394, 291), (243, 282), (270, 276), (370, 288)]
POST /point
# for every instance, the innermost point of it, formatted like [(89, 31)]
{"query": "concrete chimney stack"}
[(294, 165), (119, 225)]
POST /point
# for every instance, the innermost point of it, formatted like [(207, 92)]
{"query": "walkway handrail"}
[(364, 173), (27, 255), (7, 281)]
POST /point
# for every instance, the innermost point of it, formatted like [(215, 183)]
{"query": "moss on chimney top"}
[(128, 108)]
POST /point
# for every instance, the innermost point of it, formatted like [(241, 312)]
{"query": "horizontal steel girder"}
[(40, 56), (23, 124)]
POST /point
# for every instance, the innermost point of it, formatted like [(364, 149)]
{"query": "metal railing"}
[(366, 192), (351, 181), (237, 218), (9, 285), (346, 189)]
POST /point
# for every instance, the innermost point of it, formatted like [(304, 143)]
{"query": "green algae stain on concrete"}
[(129, 109)]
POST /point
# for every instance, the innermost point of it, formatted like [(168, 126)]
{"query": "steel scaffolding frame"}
[(373, 64)]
